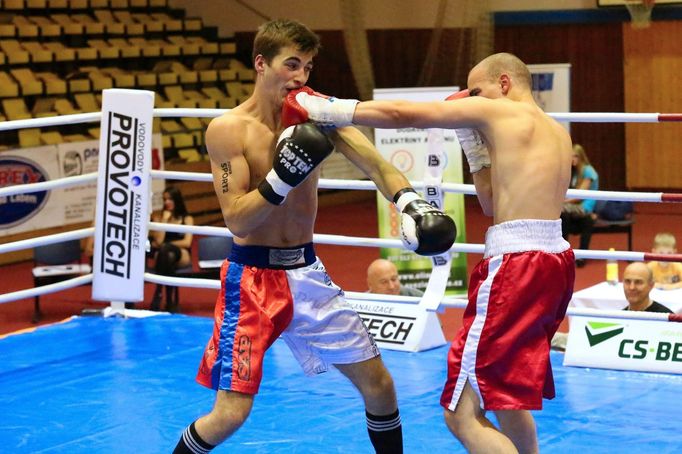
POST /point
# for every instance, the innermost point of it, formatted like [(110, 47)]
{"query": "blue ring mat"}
[(113, 385)]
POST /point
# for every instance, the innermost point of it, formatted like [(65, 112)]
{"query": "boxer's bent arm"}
[(357, 148), (484, 190), (243, 210)]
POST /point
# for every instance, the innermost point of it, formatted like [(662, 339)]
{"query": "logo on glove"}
[(292, 162)]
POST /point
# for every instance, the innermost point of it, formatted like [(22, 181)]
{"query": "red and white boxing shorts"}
[(518, 295), (266, 292)]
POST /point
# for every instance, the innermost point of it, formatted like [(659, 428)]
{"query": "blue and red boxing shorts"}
[(267, 292)]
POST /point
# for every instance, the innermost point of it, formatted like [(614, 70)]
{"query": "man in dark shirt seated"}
[(638, 280)]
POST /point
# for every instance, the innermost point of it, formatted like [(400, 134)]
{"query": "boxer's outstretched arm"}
[(307, 105), (465, 113), (242, 210)]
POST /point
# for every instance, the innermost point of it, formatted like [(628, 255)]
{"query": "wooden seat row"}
[(105, 22), (14, 52), (22, 5)]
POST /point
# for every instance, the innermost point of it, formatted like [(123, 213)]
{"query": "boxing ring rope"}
[(47, 239), (45, 289), (446, 302), (456, 188), (326, 238), (48, 185), (91, 117)]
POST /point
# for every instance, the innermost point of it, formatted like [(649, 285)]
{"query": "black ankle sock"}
[(191, 443), (385, 433)]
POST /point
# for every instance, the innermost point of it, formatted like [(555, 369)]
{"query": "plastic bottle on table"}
[(612, 270)]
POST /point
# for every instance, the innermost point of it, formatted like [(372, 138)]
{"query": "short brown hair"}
[(278, 33)]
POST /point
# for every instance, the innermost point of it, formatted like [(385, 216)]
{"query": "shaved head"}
[(638, 280), (382, 277), (504, 63)]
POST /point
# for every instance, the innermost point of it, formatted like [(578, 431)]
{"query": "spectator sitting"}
[(171, 250), (638, 280), (577, 216), (382, 277), (667, 275)]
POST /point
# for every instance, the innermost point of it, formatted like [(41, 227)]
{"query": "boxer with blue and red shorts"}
[(271, 291)]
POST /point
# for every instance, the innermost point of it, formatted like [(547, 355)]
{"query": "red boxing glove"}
[(458, 95), (292, 112), (305, 104)]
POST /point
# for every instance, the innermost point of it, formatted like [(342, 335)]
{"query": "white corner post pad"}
[(433, 193), (123, 186)]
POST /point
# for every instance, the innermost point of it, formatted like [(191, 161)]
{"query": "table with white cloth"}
[(611, 297)]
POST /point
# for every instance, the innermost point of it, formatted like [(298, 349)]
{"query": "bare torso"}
[(291, 223), (531, 161)]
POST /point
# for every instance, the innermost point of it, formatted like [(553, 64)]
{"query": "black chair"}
[(614, 217), (185, 271), (55, 263), (172, 298), (212, 251)]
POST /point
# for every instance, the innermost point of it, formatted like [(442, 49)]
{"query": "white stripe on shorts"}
[(468, 366)]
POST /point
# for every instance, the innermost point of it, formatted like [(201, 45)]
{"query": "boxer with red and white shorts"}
[(266, 292), (518, 295)]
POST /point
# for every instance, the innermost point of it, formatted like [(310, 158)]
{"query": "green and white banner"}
[(641, 345), (407, 149)]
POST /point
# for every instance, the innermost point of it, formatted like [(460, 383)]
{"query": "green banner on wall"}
[(406, 149)]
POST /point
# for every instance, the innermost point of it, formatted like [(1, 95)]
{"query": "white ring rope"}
[(446, 302), (47, 239), (91, 117), (45, 289), (457, 188), (344, 240), (48, 185), (605, 117)]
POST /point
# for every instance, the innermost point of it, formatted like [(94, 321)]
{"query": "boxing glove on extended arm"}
[(300, 149), (471, 141), (424, 229), (305, 104)]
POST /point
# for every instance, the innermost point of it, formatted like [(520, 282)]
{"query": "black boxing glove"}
[(300, 149), (424, 229)]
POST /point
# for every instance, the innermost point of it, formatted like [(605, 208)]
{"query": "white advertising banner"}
[(641, 345), (45, 209), (552, 87), (408, 150), (403, 327), (31, 211), (78, 158), (122, 195)]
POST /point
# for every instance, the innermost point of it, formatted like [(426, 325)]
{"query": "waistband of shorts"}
[(525, 235), (273, 257)]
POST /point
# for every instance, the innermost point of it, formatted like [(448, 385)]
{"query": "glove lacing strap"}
[(403, 197)]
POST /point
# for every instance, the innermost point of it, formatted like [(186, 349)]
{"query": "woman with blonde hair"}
[(578, 216)]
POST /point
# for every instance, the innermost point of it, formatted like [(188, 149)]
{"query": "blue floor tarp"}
[(95, 385)]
